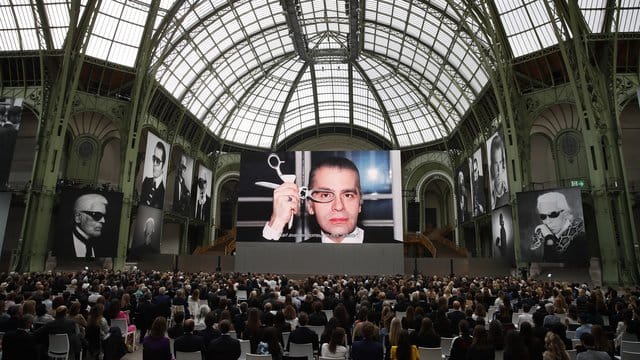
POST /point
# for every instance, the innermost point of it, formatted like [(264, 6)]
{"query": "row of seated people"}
[(23, 340), (148, 295)]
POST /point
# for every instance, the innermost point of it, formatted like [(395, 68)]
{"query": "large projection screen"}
[(328, 222), (552, 228)]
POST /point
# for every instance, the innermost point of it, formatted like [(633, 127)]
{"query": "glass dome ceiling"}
[(258, 72)]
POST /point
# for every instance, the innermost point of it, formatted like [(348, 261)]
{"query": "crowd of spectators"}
[(369, 317)]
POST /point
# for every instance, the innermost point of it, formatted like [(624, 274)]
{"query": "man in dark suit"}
[(89, 215), (224, 347), (203, 201), (455, 316), (9, 126), (162, 303), (20, 344), (367, 348), (302, 334), (181, 189), (209, 333), (477, 184), (152, 193), (188, 342), (177, 329), (61, 325)]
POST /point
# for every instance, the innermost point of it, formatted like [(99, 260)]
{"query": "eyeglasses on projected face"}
[(551, 215), (327, 196)]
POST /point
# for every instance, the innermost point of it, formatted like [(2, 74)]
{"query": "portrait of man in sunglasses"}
[(152, 193), (89, 217), (561, 232), (87, 224)]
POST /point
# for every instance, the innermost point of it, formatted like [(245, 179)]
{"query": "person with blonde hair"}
[(394, 333), (555, 349)]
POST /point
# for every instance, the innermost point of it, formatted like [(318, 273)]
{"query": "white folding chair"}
[(445, 345), (514, 318), (233, 334), (571, 334), (572, 354), (58, 346), (301, 350), (329, 313), (630, 355), (245, 348), (318, 329), (255, 357), (401, 314), (192, 355), (629, 346), (124, 329), (499, 355), (241, 295), (285, 338), (430, 353)]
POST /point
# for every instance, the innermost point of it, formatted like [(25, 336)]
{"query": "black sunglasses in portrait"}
[(95, 215), (551, 215)]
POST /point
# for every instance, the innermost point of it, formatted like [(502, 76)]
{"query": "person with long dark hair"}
[(340, 312), (426, 336), (155, 346), (336, 347), (271, 344), (461, 343), (534, 345), (404, 350), (496, 335), (514, 347), (480, 348), (253, 330)]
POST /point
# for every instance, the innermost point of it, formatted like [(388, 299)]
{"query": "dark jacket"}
[(188, 343), (366, 350), (208, 335), (303, 335), (223, 348), (19, 345)]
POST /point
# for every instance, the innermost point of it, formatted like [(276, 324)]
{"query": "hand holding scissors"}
[(285, 196)]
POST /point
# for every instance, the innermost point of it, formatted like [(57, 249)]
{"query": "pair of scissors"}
[(274, 162)]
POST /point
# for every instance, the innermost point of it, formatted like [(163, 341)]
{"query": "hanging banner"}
[(10, 118)]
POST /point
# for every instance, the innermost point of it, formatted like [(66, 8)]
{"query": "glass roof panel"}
[(402, 103), (629, 17), (17, 26), (118, 30), (333, 93), (528, 25), (593, 12)]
